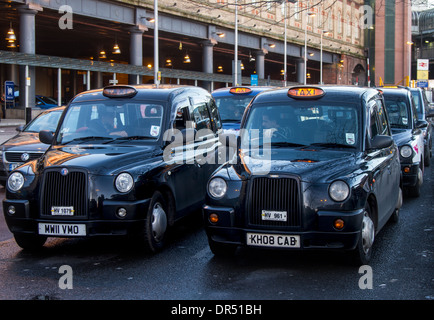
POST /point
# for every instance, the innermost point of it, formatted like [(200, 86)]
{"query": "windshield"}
[(232, 108), (303, 123), (45, 121), (417, 101), (397, 110), (115, 121)]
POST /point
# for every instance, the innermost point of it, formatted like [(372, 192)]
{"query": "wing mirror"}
[(46, 136)]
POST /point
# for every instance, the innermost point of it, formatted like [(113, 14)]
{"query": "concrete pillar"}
[(27, 45), (136, 52), (260, 63), (208, 61), (300, 70)]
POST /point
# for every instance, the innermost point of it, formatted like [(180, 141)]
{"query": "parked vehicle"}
[(232, 101), (119, 164), (424, 113), (408, 134), (317, 168), (26, 146)]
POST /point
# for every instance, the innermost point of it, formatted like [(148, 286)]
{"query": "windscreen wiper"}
[(285, 144), (87, 139), (131, 138), (332, 145)]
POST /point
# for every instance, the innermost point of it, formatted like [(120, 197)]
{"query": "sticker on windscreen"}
[(350, 138), (155, 131)]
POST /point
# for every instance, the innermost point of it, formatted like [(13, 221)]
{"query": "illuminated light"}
[(240, 90), (213, 218), (116, 49), (339, 224), (119, 91), (407, 170), (305, 93)]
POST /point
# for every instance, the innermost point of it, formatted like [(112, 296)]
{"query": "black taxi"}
[(118, 164), (316, 168)]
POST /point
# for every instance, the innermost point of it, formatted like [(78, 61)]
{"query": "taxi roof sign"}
[(305, 93), (240, 90), (119, 92)]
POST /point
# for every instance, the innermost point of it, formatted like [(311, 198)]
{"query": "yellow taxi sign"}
[(240, 90), (306, 92)]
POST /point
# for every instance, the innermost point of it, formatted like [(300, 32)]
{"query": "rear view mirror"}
[(381, 142), (46, 136)]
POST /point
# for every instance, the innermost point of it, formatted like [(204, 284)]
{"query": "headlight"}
[(406, 151), (217, 188), (124, 182), (15, 181), (339, 191)]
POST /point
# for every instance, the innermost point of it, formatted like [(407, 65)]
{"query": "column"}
[(136, 52), (27, 45), (300, 70), (208, 61), (260, 62)]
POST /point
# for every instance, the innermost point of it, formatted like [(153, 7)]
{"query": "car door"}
[(384, 165)]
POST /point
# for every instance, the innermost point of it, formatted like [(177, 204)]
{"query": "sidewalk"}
[(11, 122)]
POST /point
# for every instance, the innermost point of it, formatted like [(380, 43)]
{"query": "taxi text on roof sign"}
[(305, 92), (240, 90)]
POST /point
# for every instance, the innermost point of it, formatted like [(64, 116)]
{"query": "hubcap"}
[(159, 222), (368, 233)]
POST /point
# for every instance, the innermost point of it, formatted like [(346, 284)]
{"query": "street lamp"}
[(308, 14)]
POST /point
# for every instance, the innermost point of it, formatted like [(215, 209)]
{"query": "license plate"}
[(273, 240), (62, 229), (273, 215), (62, 211), (14, 165)]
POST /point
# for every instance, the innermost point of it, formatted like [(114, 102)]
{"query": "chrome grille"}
[(16, 156), (275, 194), (64, 191)]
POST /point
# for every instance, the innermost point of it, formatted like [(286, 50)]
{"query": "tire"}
[(414, 192), (395, 215), (363, 252), (156, 224), (222, 249), (427, 159), (30, 242)]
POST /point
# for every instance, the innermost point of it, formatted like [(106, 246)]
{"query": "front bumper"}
[(321, 235), (409, 174), (106, 224)]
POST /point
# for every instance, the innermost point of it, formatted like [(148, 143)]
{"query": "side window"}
[(373, 125), (201, 116), (382, 117), (215, 115), (181, 118)]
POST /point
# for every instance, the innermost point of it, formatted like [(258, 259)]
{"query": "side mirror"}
[(430, 113), (46, 136), (421, 124), (19, 128), (381, 142)]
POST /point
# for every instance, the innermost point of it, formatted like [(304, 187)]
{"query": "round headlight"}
[(217, 188), (15, 181), (406, 151), (124, 182), (339, 191)]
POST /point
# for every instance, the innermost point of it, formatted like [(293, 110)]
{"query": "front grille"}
[(16, 156), (64, 191), (275, 194)]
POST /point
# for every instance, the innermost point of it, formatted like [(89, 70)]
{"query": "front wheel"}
[(156, 225), (363, 251)]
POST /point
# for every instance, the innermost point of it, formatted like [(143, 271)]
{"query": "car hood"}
[(102, 159), (401, 136), (309, 165), (25, 141)]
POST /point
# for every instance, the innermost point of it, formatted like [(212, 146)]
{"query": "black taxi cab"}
[(316, 168), (407, 131), (118, 164), (232, 101)]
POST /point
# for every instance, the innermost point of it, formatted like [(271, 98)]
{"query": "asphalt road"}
[(109, 269)]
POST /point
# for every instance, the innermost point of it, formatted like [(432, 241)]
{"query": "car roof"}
[(144, 91), (337, 93)]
